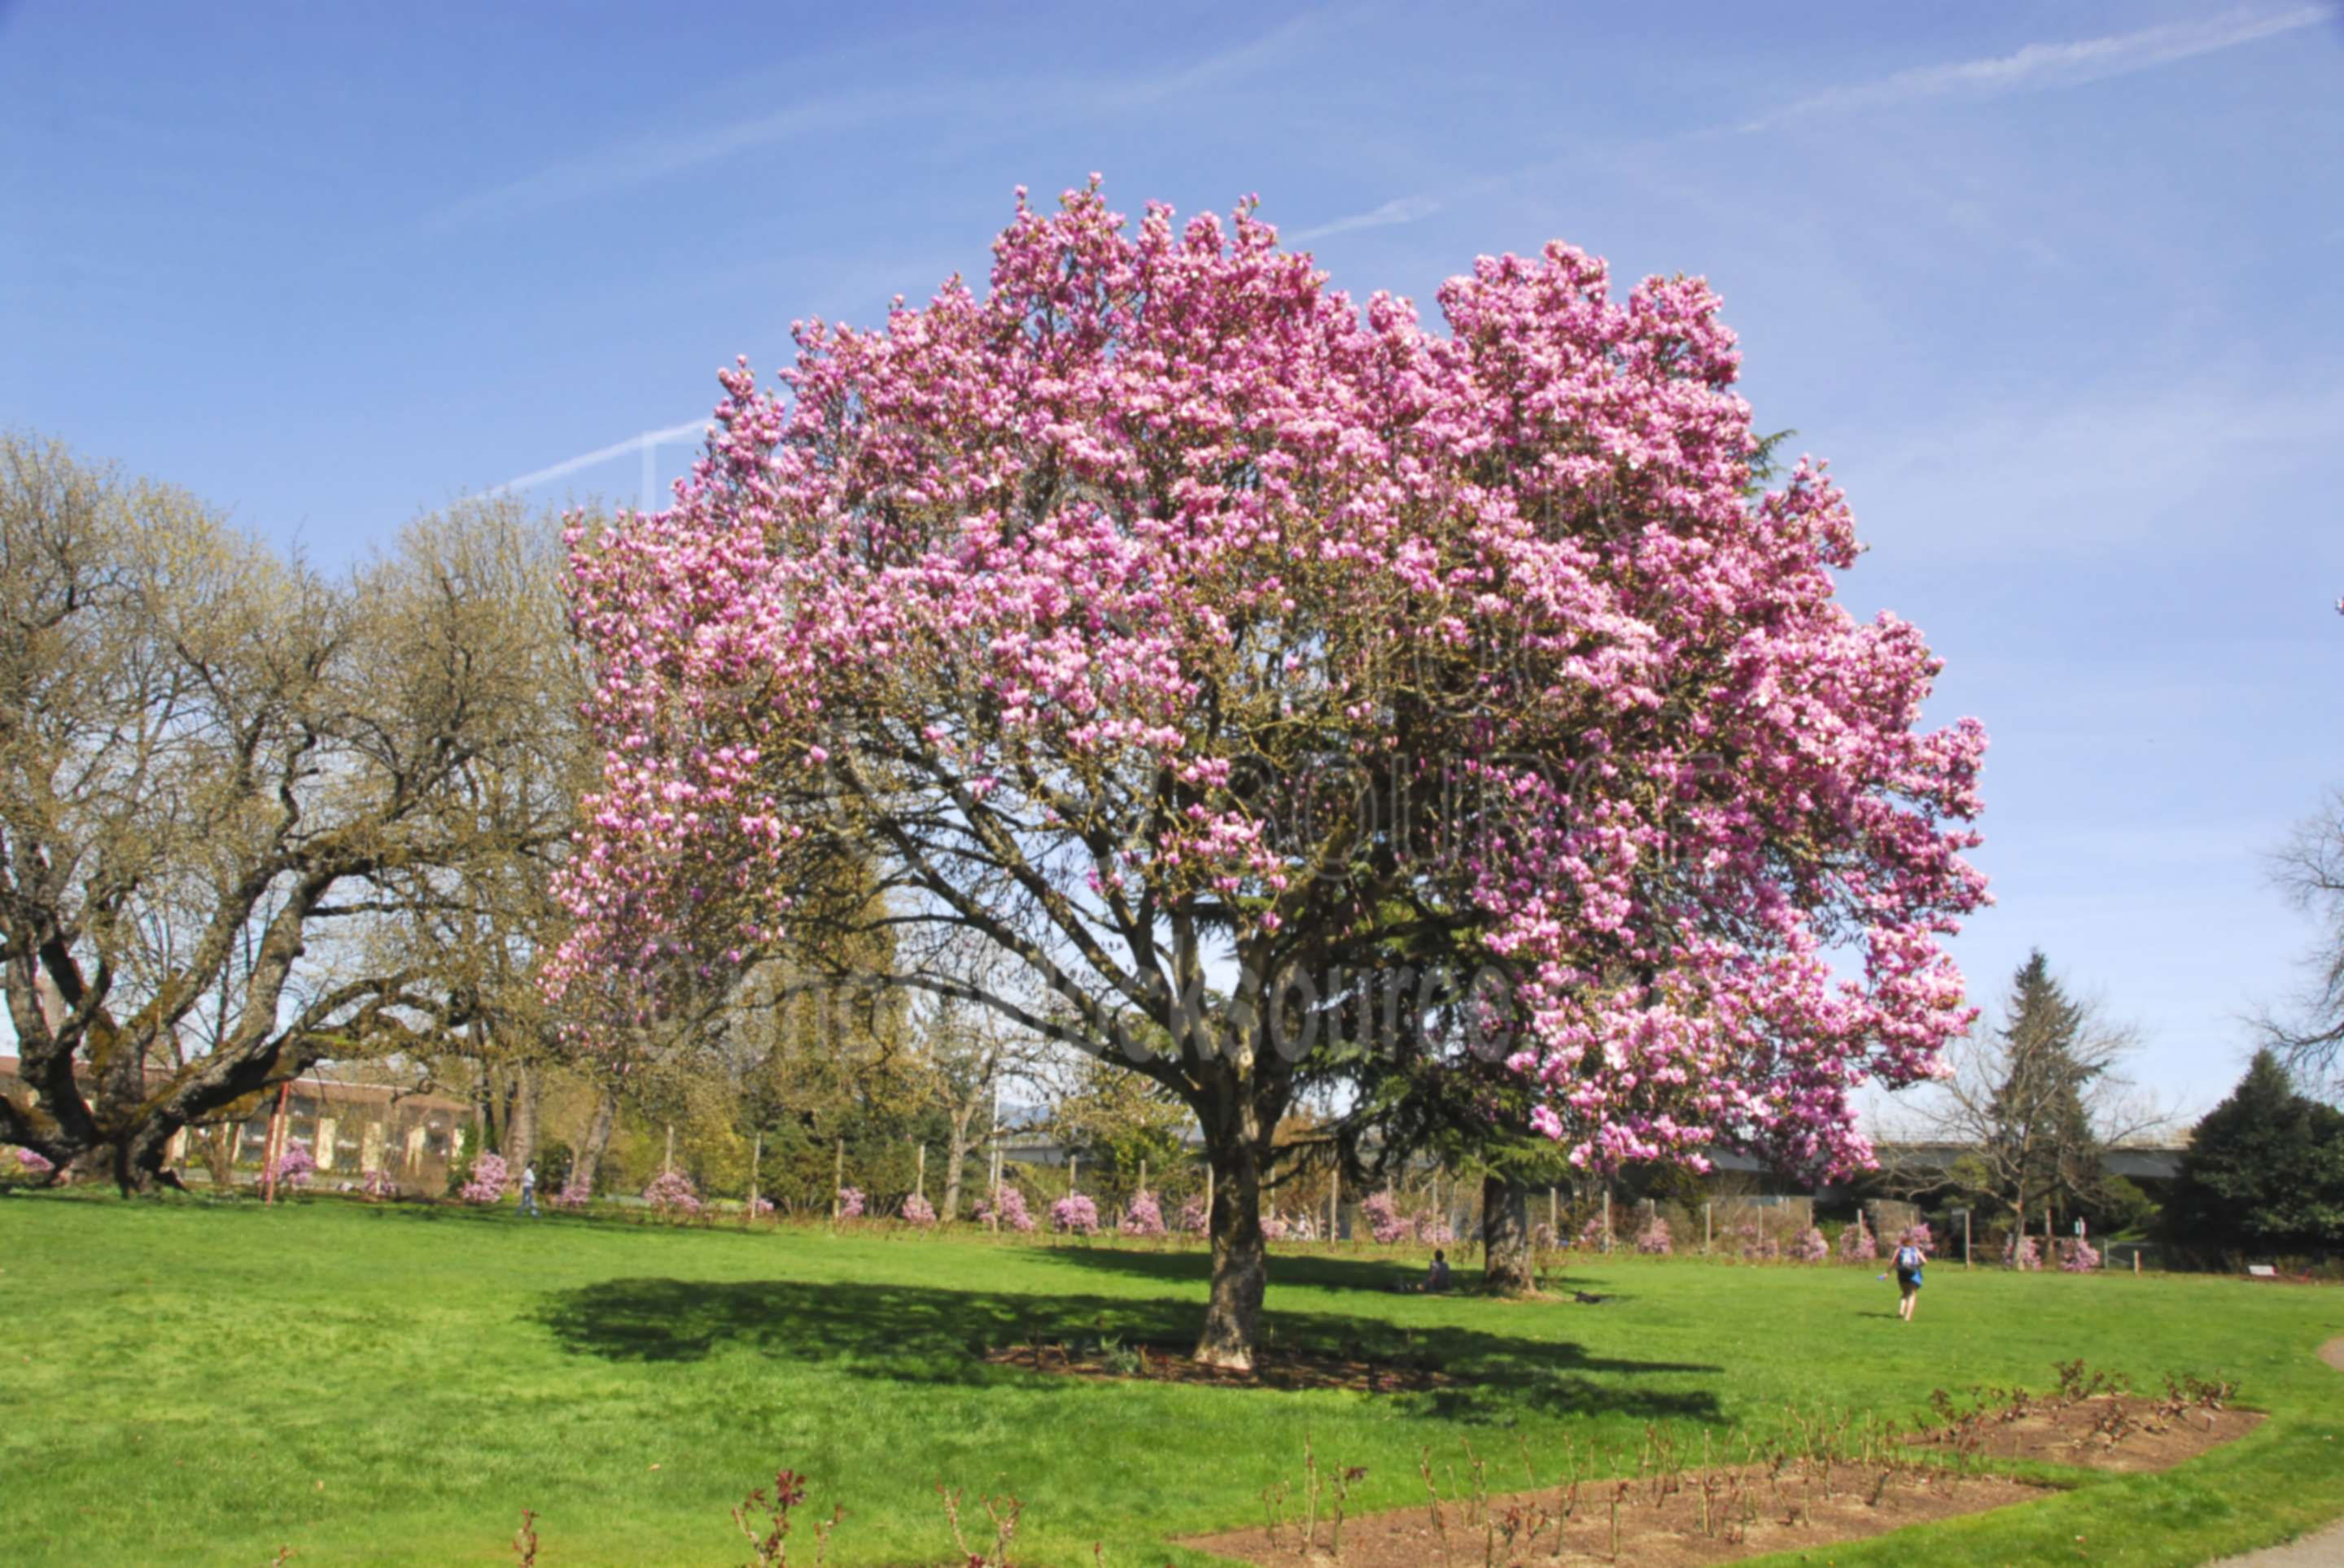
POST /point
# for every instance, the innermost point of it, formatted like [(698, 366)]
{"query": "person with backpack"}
[(1908, 1261)]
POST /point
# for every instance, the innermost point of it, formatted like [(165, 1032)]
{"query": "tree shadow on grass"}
[(910, 1333), (1382, 1274)]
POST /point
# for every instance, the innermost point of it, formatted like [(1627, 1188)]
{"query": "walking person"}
[(529, 1190), (1908, 1262)]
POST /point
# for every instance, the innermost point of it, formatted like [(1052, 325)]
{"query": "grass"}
[(202, 1383)]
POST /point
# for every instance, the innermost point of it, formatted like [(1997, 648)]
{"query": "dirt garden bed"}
[(1830, 1480), (2091, 1421)]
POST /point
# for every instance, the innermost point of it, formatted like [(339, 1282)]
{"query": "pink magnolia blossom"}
[(1655, 1239), (2078, 1256), (34, 1161), (1811, 1246), (918, 1210), (849, 1202), (2021, 1253), (1275, 1227), (1193, 1218), (1074, 1214), (1856, 1244)]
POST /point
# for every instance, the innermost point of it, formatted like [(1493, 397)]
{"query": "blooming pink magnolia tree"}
[(1131, 616)]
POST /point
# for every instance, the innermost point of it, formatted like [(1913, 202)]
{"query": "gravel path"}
[(2324, 1547)]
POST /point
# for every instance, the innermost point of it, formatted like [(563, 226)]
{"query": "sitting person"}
[(1437, 1277)]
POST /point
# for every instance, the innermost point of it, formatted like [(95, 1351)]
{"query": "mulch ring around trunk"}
[(1273, 1368)]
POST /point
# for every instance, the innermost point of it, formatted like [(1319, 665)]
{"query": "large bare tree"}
[(2309, 868), (202, 737)]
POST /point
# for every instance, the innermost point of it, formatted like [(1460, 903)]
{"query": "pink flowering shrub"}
[(1592, 1236), (2078, 1256), (377, 1186), (1856, 1244), (1754, 1244), (296, 1164), (1009, 1206), (849, 1202), (489, 1181), (1656, 1240), (1193, 1218), (1274, 1227), (671, 1196), (1382, 1214), (918, 1210), (34, 1163), (1918, 1234), (575, 1194), (1144, 1217), (1811, 1246), (761, 1207), (1431, 1231), (1075, 1215), (2021, 1253)]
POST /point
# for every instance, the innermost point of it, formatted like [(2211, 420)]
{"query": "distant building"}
[(351, 1127)]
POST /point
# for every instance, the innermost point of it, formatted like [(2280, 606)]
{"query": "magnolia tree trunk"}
[(1506, 1237), (1241, 1260), (1243, 1096)]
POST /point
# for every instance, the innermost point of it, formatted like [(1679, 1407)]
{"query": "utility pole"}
[(272, 1148)]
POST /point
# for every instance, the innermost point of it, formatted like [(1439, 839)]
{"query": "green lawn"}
[(197, 1383)]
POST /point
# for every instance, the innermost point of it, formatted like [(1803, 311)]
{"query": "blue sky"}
[(2057, 288)]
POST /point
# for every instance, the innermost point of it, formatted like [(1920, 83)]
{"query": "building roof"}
[(329, 1090)]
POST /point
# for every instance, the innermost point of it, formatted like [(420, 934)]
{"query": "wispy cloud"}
[(2039, 66), (661, 155), (633, 446), (647, 158), (2081, 471), (1399, 210)]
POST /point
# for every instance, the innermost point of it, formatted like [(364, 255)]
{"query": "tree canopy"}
[(2265, 1169), (1163, 616)]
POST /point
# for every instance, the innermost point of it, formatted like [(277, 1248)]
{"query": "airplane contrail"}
[(647, 443)]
